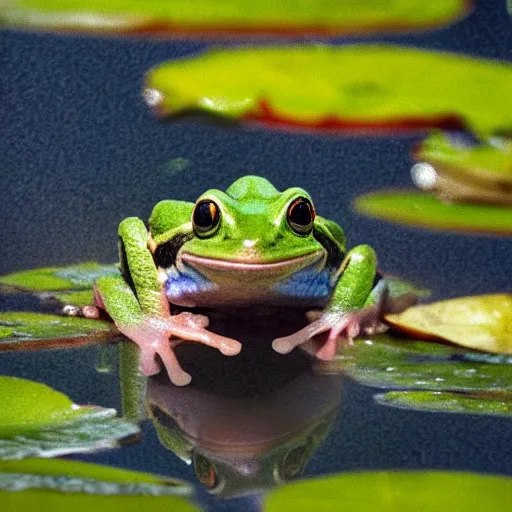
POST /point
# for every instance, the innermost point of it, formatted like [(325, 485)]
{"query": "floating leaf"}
[(78, 299), (385, 361), (36, 420), (62, 485), (440, 401), (427, 211), (74, 277), (232, 17), (349, 87), (479, 173), (481, 322), (28, 331), (386, 491)]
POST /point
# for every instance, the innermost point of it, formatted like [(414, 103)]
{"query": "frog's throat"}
[(278, 267)]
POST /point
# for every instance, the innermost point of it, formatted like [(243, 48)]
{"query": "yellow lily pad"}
[(231, 17), (365, 87), (480, 322), (393, 491)]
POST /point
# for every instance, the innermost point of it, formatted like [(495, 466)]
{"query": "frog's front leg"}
[(137, 303), (352, 308)]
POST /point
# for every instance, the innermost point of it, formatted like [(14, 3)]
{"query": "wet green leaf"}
[(427, 211), (393, 491), (79, 299), (232, 18), (74, 277), (385, 361), (440, 401), (28, 331), (61, 485), (349, 87), (482, 322), (480, 173), (36, 420)]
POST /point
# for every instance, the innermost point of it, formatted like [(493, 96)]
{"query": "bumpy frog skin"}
[(247, 246)]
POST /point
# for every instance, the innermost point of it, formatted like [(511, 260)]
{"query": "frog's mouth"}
[(208, 281), (260, 269)]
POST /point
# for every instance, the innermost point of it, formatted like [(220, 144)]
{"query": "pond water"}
[(81, 151)]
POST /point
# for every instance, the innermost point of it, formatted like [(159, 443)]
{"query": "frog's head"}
[(252, 223), (251, 235)]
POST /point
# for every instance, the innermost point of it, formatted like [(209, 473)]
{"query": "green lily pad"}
[(480, 173), (74, 277), (427, 211), (385, 361), (62, 485), (486, 161), (482, 322), (337, 88), (441, 401), (392, 491), (37, 421), (232, 18), (28, 331)]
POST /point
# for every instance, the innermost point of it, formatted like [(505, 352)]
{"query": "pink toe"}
[(327, 351)]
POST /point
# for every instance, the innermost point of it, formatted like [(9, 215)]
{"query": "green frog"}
[(247, 247)]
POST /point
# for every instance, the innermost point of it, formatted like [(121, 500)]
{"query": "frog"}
[(251, 245)]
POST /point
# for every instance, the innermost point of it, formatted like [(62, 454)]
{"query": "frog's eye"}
[(206, 217), (205, 471), (301, 216)]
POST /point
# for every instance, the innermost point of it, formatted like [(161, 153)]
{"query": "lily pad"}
[(427, 211), (456, 171), (481, 322), (231, 18), (385, 361), (37, 421), (365, 88), (441, 401), (390, 491), (29, 331), (62, 485), (52, 279)]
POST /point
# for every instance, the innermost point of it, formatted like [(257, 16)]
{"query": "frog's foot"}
[(339, 326), (152, 336)]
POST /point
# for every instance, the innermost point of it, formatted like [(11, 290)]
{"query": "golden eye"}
[(206, 217), (301, 216)]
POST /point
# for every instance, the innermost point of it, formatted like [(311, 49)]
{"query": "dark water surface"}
[(80, 151)]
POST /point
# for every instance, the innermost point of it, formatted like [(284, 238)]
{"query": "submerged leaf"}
[(232, 18), (74, 277), (455, 171), (440, 401), (36, 420), (427, 211), (481, 322), (349, 87), (385, 491), (28, 331)]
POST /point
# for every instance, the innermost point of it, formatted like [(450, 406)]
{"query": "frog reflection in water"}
[(247, 439), (247, 247)]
